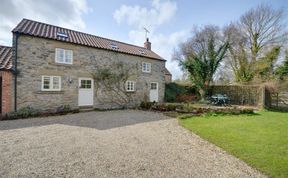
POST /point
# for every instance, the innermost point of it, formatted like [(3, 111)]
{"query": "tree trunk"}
[(202, 94)]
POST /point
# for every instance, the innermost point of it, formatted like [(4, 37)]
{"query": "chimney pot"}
[(147, 44)]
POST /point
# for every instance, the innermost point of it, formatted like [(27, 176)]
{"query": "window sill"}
[(49, 92), (62, 64), (131, 91)]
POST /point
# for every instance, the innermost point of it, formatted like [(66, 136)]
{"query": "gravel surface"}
[(111, 144)]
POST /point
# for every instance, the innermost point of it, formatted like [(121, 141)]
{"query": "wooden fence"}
[(254, 95), (276, 100)]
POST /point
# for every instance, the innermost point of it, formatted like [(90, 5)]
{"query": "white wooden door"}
[(153, 92), (86, 92)]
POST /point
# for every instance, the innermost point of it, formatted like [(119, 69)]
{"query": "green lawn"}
[(261, 140)]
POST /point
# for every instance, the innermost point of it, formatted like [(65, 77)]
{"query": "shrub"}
[(146, 105), (186, 98), (64, 109), (247, 111), (188, 108), (21, 113), (159, 107), (171, 107), (180, 93), (165, 107), (28, 112), (171, 91)]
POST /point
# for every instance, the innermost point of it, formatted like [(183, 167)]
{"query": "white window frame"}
[(127, 88), (65, 53), (147, 68), (51, 88)]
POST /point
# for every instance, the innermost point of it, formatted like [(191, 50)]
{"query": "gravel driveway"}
[(111, 144)]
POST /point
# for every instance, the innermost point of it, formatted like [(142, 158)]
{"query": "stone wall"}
[(6, 90), (168, 78), (36, 57)]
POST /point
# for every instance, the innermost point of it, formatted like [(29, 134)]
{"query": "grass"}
[(261, 140)]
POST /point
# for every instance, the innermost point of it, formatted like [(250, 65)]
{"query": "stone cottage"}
[(55, 66)]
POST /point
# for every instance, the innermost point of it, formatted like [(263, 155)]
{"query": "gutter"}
[(15, 69)]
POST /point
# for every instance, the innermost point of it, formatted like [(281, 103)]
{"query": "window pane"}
[(56, 83), (153, 86), (128, 86), (148, 67), (46, 82), (68, 56), (60, 55), (83, 84), (88, 83), (132, 86)]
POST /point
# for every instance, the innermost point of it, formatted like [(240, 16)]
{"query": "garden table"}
[(219, 99)]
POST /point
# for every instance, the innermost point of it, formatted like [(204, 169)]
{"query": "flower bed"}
[(28, 112), (196, 109)]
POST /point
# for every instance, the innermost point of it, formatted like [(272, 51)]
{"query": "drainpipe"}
[(15, 69)]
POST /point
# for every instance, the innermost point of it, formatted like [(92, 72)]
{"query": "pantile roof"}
[(5, 58), (42, 30)]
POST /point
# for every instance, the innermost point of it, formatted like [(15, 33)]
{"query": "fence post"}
[(263, 97), (277, 99)]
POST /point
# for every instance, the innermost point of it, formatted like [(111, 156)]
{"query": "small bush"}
[(189, 108), (159, 107), (171, 107), (28, 112), (21, 113), (146, 105), (64, 109), (247, 111), (165, 106), (186, 98), (75, 111)]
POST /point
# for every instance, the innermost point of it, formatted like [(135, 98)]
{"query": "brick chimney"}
[(147, 44)]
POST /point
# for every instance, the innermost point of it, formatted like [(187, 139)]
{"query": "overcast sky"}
[(169, 21)]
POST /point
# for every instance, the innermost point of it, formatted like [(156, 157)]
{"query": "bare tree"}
[(238, 53), (263, 27), (258, 34)]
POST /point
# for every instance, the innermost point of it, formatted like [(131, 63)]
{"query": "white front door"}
[(86, 92), (153, 92)]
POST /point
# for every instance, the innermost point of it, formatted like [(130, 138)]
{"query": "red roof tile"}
[(5, 58), (38, 29)]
